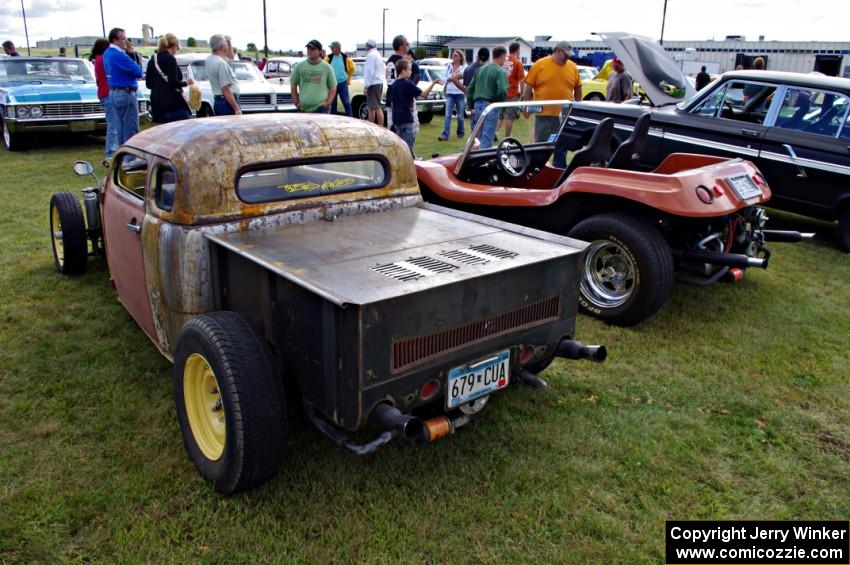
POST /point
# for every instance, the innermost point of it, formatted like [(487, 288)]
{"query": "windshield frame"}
[(497, 106), (43, 75)]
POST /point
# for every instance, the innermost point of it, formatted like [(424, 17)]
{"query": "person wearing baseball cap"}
[(553, 78), (619, 87), (344, 69), (313, 84)]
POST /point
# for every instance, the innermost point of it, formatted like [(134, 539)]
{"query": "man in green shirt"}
[(489, 85), (313, 82)]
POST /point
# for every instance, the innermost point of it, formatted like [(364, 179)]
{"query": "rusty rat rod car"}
[(272, 255), (693, 212)]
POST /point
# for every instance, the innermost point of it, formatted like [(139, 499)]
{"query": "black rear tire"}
[(358, 108), (205, 111), (250, 402), (426, 117), (843, 231), (628, 268), (594, 97), (68, 234)]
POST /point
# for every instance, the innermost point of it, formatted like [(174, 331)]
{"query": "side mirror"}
[(83, 168)]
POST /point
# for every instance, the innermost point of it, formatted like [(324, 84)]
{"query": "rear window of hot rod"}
[(305, 179)]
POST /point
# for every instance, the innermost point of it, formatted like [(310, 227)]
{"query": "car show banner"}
[(757, 542)]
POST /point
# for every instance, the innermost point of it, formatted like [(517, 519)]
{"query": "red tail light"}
[(429, 389), (525, 354), (759, 179)]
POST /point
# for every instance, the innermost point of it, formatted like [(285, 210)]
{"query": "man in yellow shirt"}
[(553, 78)]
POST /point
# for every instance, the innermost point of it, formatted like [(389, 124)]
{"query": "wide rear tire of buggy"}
[(628, 268)]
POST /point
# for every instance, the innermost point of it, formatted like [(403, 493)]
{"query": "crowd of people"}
[(320, 83)]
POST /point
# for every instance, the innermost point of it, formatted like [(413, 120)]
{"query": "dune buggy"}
[(694, 214)]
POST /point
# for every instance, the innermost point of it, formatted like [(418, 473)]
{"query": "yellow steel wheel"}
[(230, 402), (204, 406), (56, 236)]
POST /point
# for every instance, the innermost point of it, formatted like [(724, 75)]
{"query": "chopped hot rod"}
[(291, 257)]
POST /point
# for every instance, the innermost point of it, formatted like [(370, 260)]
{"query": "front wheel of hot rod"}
[(230, 403), (628, 268), (68, 234)]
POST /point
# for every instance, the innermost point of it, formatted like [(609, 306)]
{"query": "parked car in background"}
[(426, 108), (50, 95), (276, 258), (592, 88), (357, 92), (255, 93), (793, 126), (280, 67), (435, 103), (586, 72), (434, 62)]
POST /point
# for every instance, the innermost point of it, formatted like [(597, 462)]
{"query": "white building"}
[(830, 58)]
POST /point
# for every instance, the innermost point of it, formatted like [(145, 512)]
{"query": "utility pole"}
[(102, 21), (417, 31), (383, 32), (265, 32), (26, 33), (663, 20)]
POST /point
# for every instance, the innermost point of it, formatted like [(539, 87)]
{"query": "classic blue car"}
[(48, 95)]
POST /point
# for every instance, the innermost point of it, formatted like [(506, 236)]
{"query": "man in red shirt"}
[(516, 72)]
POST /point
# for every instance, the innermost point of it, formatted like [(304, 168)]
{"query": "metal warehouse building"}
[(829, 58)]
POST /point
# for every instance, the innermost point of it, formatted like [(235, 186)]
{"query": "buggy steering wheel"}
[(512, 157)]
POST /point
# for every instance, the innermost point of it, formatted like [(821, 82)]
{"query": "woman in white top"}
[(455, 94)]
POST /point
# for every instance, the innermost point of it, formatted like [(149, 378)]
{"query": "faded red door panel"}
[(123, 220)]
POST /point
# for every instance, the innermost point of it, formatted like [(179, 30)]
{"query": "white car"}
[(255, 93), (587, 73), (434, 62), (280, 67)]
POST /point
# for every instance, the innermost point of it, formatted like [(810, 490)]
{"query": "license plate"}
[(744, 187), (475, 380), (82, 125)]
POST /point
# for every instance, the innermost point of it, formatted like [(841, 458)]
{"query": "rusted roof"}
[(266, 136), (208, 154)]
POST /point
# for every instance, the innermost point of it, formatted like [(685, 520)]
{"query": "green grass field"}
[(732, 402)]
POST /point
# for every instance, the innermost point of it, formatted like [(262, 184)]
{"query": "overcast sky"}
[(291, 24)]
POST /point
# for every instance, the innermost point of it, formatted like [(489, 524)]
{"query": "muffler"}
[(389, 418), (725, 259), (442, 426), (786, 236), (571, 349)]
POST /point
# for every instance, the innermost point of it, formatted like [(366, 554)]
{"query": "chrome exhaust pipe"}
[(786, 236), (389, 418), (725, 259), (571, 349)]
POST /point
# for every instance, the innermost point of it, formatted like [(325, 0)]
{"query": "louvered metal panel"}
[(411, 351)]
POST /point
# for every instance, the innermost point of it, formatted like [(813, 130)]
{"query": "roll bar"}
[(470, 142)]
